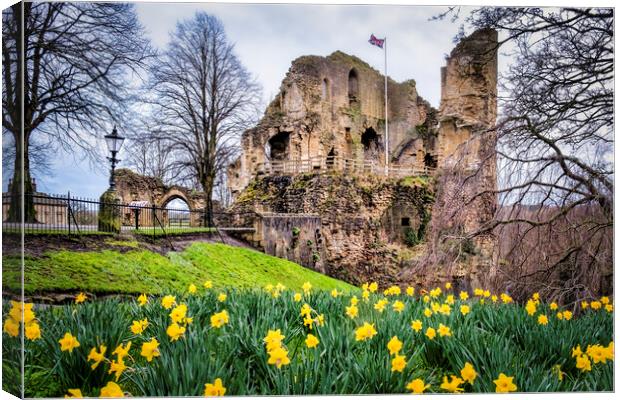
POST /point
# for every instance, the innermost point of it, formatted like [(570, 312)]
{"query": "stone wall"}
[(361, 233)]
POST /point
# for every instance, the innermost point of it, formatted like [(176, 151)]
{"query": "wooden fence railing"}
[(318, 164)]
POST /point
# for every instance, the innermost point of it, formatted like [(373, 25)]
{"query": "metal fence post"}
[(69, 210)]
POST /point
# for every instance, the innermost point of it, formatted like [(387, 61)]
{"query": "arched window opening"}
[(325, 89), (353, 88), (278, 146)]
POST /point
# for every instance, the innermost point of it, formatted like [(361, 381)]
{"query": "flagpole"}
[(387, 144)]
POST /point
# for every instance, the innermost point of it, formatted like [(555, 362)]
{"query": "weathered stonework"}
[(334, 106), (375, 227)]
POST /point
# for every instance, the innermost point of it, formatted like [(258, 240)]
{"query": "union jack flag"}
[(376, 42)]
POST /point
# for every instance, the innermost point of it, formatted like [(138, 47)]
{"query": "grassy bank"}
[(143, 271)]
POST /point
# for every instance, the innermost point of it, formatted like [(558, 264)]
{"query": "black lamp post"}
[(114, 142)]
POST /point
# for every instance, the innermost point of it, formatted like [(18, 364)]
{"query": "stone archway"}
[(133, 187)]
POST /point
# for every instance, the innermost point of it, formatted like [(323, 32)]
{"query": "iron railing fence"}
[(70, 214)]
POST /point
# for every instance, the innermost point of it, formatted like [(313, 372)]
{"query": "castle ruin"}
[(329, 115)]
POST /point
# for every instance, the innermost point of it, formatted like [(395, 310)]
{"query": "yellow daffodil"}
[(311, 341), (597, 353), (584, 304), (111, 389), (373, 287), (431, 333), (595, 305), (399, 363), (96, 356), (306, 310), (463, 296), (335, 293), (192, 288), (80, 298), (306, 287), (452, 386), (33, 331), (417, 386), (410, 291), (450, 299), (536, 296), (567, 315), (221, 297), (178, 313), (74, 394), (142, 299), (444, 330), (398, 306), (582, 363), (150, 350), (427, 312), (175, 331), (505, 298), (297, 297), (553, 306), (137, 327), (365, 295), (609, 308), (556, 370), (468, 373), (380, 305), (394, 345), (278, 357), (465, 309), (530, 307), (416, 325), (448, 285), (122, 351), (354, 301), (117, 367), (559, 315), (68, 343), (219, 319), (365, 332), (577, 351), (351, 311), (208, 284), (168, 301), (273, 339), (504, 384), (542, 319), (11, 327), (604, 300), (215, 389)]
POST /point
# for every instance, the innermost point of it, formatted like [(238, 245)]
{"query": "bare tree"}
[(203, 99), (152, 157), (554, 150), (77, 62)]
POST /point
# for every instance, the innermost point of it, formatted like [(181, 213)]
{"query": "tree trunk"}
[(207, 185), (21, 173)]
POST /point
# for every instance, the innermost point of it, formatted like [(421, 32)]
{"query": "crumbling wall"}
[(334, 106), (466, 180), (361, 233)]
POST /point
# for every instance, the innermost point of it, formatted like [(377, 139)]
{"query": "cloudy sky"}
[(268, 37)]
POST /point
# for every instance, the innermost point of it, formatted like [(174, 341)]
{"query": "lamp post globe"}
[(114, 142)]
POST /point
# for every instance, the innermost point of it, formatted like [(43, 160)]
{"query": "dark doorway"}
[(330, 158), (278, 146), (370, 141), (430, 161), (353, 88)]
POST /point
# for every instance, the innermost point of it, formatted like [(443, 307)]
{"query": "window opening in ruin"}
[(331, 158), (430, 160), (176, 214), (405, 221), (353, 88), (325, 89), (370, 141), (278, 146)]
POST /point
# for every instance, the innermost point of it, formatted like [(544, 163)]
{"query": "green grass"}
[(141, 271), (52, 232), (494, 338)]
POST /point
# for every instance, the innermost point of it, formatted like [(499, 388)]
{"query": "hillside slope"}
[(143, 271)]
